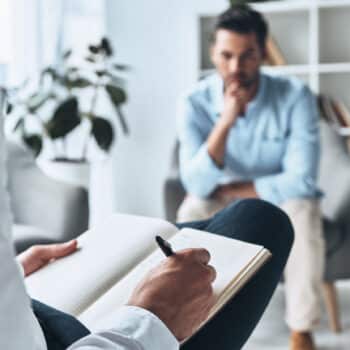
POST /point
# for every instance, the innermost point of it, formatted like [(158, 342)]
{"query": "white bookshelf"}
[(311, 34)]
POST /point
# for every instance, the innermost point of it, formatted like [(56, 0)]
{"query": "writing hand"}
[(179, 291)]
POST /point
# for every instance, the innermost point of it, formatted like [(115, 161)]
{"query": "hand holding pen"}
[(179, 290)]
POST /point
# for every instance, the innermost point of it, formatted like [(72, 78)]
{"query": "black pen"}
[(164, 246)]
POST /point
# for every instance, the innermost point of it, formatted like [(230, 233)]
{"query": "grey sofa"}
[(335, 182), (44, 210)]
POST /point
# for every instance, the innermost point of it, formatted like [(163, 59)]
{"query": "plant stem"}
[(92, 108), (64, 147), (54, 144)]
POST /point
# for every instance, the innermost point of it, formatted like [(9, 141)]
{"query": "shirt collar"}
[(217, 88)]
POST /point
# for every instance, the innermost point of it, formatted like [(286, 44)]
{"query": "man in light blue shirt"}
[(247, 134)]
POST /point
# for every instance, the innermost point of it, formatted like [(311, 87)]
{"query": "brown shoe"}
[(301, 341)]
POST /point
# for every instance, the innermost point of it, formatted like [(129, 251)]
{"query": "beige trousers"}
[(305, 266)]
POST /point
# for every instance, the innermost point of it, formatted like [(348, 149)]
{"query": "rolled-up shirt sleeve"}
[(298, 178), (133, 329), (199, 173)]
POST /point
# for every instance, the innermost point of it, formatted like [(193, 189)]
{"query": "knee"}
[(274, 226), (190, 210), (194, 209)]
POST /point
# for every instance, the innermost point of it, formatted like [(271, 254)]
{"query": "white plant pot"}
[(69, 172)]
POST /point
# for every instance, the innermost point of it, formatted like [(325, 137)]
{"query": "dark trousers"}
[(250, 220), (60, 329), (258, 222)]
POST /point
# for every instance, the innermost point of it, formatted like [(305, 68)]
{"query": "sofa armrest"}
[(334, 175), (174, 193), (336, 204), (53, 206), (37, 200)]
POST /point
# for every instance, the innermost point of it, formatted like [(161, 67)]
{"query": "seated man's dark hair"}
[(243, 19)]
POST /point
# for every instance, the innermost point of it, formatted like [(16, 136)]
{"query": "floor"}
[(272, 334)]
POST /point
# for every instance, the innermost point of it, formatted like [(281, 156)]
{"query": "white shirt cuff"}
[(145, 328), (20, 267)]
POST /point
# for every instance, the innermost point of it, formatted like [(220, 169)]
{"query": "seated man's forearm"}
[(217, 143), (244, 190), (230, 192)]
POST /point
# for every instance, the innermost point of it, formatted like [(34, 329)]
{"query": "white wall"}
[(158, 38)]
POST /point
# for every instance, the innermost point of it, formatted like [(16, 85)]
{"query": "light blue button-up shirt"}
[(275, 144)]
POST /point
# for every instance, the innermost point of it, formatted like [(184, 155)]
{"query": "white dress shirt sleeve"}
[(19, 328), (133, 329)]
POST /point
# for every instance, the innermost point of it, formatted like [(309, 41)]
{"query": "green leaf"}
[(79, 83), (65, 119), (115, 79), (94, 49), (101, 72), (50, 71), (122, 67), (72, 70), (90, 59), (116, 94), (122, 121), (107, 47), (34, 142), (64, 80), (71, 83), (9, 108), (36, 101), (19, 124), (67, 54), (103, 132)]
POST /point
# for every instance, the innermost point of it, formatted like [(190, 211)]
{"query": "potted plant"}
[(65, 99)]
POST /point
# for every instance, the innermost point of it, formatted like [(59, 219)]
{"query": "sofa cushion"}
[(25, 236), (334, 175)]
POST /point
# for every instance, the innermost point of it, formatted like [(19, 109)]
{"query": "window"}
[(41, 30)]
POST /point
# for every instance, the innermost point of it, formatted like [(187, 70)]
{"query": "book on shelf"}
[(336, 113), (342, 111), (274, 54), (113, 257)]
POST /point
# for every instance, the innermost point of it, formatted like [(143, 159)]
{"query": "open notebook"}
[(93, 282)]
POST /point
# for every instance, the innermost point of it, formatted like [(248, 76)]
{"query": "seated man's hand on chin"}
[(179, 291), (38, 256)]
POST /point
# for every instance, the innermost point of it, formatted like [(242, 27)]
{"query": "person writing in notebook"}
[(166, 307), (169, 303), (246, 134)]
